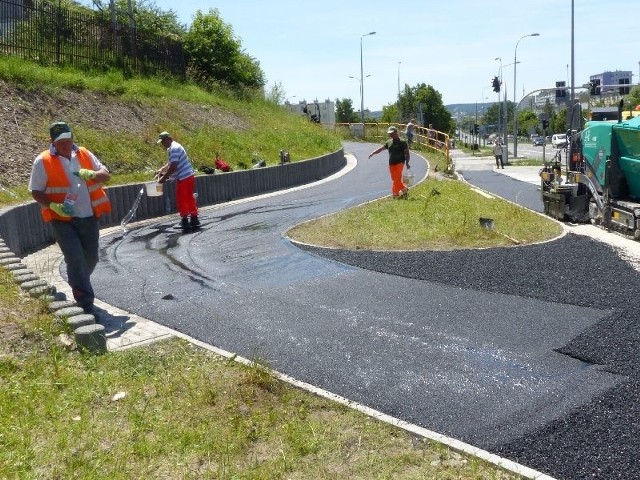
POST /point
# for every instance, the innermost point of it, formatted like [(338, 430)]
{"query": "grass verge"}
[(172, 410), (438, 215)]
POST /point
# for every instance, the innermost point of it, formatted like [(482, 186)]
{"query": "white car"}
[(559, 140)]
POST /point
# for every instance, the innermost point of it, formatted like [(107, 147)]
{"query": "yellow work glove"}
[(59, 209), (86, 174)]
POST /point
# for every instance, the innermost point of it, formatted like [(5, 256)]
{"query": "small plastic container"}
[(70, 199), (153, 189), (408, 178)]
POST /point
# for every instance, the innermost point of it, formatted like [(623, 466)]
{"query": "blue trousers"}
[(79, 241)]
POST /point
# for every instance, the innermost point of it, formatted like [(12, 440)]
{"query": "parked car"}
[(559, 140), (538, 141)]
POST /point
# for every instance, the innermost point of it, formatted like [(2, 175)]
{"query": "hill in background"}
[(461, 110)]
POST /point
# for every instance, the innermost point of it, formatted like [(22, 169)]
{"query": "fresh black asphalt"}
[(528, 352)]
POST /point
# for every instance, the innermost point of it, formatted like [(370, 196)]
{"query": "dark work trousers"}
[(79, 241)]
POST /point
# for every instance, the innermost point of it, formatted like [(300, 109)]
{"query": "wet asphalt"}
[(529, 352)]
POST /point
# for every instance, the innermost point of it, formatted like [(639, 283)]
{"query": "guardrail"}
[(23, 230)]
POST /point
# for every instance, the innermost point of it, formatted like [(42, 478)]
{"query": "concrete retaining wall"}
[(23, 229)]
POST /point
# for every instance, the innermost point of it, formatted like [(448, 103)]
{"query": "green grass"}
[(237, 126), (439, 215)]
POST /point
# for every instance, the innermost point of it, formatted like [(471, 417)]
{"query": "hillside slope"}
[(26, 115)]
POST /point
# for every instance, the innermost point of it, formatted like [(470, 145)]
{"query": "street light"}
[(503, 112), (515, 112), (359, 82), (499, 104), (399, 116), (484, 103), (362, 78)]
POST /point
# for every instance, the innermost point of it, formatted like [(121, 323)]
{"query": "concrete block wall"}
[(23, 229)]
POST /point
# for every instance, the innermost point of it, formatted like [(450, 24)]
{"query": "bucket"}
[(154, 189), (408, 178)]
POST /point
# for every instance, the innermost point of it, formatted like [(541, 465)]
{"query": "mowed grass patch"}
[(438, 215), (173, 410)]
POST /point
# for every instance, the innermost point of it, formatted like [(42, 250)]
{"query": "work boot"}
[(184, 223), (195, 223)]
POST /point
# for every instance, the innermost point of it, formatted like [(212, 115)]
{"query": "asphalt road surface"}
[(482, 346)]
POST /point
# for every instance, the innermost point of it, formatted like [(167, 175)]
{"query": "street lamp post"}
[(484, 120), (398, 102), (506, 113), (515, 112), (359, 81), (362, 78), (499, 104)]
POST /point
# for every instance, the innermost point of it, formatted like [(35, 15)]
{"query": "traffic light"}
[(561, 91), (475, 128), (545, 124), (495, 83), (595, 86)]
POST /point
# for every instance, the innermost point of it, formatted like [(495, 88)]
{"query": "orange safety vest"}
[(58, 185)]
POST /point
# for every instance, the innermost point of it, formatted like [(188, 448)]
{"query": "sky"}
[(311, 48)]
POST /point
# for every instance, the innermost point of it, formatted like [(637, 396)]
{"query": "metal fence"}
[(54, 35)]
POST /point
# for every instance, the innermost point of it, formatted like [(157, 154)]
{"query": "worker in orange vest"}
[(66, 180)]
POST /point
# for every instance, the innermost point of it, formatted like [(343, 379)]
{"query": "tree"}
[(494, 115), (276, 94), (390, 113), (633, 98), (527, 123), (146, 16), (406, 106), (344, 111), (558, 123), (424, 103), (215, 55)]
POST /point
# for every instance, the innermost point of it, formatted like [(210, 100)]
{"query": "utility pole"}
[(505, 145), (515, 112), (399, 113), (362, 80)]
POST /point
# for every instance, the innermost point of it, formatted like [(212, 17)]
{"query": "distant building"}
[(543, 97), (611, 80), (323, 113)]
